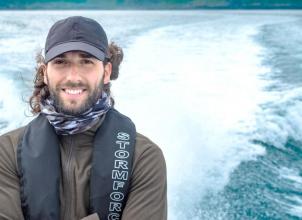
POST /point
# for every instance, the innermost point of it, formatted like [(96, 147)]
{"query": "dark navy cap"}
[(76, 33)]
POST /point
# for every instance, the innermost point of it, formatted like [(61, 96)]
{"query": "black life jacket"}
[(38, 157)]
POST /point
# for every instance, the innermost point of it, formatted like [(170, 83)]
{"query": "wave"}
[(200, 102)]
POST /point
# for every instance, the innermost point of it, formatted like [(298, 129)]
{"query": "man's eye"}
[(87, 61), (59, 61)]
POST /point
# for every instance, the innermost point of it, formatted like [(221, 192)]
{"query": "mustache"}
[(71, 84)]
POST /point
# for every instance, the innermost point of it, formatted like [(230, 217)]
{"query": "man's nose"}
[(73, 72)]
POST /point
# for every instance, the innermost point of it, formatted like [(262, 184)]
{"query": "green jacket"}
[(148, 187)]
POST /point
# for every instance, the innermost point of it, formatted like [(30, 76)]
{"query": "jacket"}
[(147, 198)]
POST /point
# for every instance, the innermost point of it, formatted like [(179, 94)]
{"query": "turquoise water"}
[(271, 186), (218, 91)]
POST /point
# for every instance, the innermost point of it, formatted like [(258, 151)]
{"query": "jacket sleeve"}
[(10, 204), (147, 198)]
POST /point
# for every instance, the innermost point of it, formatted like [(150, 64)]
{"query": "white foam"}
[(194, 89), (12, 108), (203, 90), (292, 175), (281, 119), (297, 209)]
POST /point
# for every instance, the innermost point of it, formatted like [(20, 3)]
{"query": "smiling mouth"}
[(74, 91)]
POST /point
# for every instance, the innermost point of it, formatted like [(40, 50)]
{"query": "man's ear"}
[(107, 72), (44, 67)]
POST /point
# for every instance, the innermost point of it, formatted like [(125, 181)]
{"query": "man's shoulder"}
[(8, 148), (149, 166), (145, 147), (144, 142), (12, 136)]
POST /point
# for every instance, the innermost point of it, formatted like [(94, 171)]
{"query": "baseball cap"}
[(76, 33)]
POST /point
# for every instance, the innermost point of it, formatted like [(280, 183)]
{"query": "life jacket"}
[(38, 156)]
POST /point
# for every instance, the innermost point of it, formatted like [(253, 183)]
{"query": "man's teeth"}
[(73, 91)]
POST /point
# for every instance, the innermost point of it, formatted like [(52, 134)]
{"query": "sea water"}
[(219, 91)]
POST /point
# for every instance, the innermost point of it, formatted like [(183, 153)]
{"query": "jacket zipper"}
[(68, 177)]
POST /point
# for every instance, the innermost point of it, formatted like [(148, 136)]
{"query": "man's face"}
[(75, 80)]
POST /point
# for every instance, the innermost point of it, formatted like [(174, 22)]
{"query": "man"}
[(79, 158)]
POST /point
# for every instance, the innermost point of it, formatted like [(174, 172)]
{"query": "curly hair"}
[(41, 91)]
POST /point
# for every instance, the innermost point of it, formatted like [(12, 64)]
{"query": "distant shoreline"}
[(92, 6), (151, 5), (148, 9)]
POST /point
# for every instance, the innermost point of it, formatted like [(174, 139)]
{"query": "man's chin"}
[(74, 111), (70, 108), (74, 107)]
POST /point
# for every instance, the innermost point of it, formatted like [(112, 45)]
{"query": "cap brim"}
[(73, 46)]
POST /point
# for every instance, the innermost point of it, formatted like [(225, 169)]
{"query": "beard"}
[(61, 106)]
